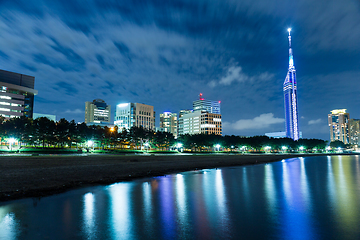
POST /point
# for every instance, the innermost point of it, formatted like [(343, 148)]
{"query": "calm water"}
[(300, 198)]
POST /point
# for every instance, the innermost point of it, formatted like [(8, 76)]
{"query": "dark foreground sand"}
[(37, 176)]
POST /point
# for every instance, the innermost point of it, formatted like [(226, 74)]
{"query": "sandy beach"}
[(38, 176)]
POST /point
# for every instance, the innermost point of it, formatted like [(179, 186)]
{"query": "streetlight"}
[(112, 129), (267, 148), (90, 143), (243, 148), (301, 148), (217, 146), (11, 141), (146, 145)]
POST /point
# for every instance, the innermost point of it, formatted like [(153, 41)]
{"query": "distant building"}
[(97, 112), (128, 115), (200, 122), (205, 118), (49, 116), (339, 125), (16, 94), (276, 134), (206, 105), (354, 125), (279, 134), (189, 123), (169, 122)]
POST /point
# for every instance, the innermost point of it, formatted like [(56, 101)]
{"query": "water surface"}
[(300, 198)]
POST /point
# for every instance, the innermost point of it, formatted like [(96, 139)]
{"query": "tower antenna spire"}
[(291, 58)]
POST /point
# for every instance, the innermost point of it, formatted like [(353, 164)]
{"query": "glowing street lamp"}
[(90, 143), (146, 145), (217, 146), (301, 148), (284, 148), (11, 141), (267, 148)]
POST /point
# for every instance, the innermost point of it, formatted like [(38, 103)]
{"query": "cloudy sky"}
[(164, 53)]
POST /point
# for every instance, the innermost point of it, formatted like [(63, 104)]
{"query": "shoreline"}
[(40, 176)]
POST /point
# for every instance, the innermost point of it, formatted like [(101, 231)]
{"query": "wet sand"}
[(38, 176)]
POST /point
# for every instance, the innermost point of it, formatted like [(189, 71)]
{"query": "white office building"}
[(128, 115)]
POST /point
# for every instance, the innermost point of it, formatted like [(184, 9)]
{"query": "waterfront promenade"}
[(36, 176)]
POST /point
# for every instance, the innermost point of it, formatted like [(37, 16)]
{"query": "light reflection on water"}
[(302, 198)]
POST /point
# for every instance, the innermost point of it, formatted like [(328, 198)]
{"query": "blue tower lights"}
[(290, 98)]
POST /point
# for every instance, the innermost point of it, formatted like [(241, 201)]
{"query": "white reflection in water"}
[(246, 188), (220, 194), (286, 183), (181, 198), (89, 215), (304, 185), (146, 187), (8, 225), (330, 181), (270, 188), (120, 211)]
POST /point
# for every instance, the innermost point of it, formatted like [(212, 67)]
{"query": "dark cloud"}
[(165, 53), (69, 88)]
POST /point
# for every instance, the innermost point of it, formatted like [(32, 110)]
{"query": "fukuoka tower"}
[(290, 98)]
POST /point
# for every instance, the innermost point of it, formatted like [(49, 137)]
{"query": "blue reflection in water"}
[(302, 198), (167, 208), (295, 211)]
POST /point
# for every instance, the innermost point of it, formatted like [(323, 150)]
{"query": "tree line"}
[(42, 132)]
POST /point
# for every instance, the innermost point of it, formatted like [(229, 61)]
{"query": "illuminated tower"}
[(290, 98)]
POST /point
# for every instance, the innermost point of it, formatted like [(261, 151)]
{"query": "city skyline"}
[(165, 54)]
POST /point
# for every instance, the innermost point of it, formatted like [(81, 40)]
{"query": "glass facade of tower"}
[(290, 99), (207, 105)]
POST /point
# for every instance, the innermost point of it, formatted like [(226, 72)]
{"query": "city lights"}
[(301, 148)]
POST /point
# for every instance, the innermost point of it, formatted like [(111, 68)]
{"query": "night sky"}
[(164, 53)]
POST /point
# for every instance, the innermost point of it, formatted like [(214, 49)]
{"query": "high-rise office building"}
[(204, 119), (354, 129), (16, 94), (200, 122), (128, 115), (206, 105), (339, 125), (169, 122), (290, 98), (97, 112)]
